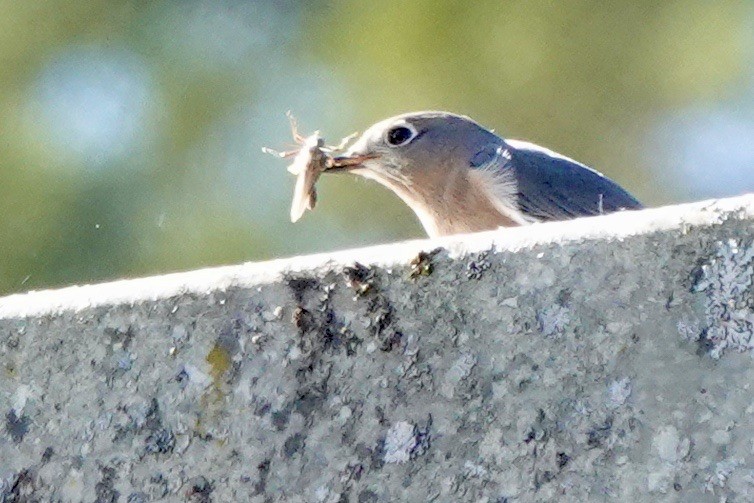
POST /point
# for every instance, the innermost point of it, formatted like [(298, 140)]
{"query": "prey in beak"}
[(310, 160)]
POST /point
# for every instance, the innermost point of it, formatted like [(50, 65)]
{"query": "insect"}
[(311, 159)]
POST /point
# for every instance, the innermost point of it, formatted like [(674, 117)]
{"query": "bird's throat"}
[(458, 206)]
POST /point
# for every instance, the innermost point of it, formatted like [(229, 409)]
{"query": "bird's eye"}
[(399, 135)]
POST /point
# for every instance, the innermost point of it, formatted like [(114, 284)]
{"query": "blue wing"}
[(553, 187)]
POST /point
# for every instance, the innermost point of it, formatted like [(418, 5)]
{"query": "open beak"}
[(345, 163)]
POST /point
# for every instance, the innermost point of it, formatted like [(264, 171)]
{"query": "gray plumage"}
[(554, 187), (460, 177)]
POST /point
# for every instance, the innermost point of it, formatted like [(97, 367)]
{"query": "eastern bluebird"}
[(459, 177)]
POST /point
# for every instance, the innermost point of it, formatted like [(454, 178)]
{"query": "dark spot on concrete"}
[(18, 488), (264, 470), (303, 320), (677, 486), (368, 496), (318, 325), (363, 452), (381, 311), (153, 419), (138, 498), (377, 455), (229, 336), (598, 433), (182, 378), (355, 471), (352, 343), (262, 408), (322, 330), (381, 416), (422, 265), (200, 490), (160, 441), (280, 419), (696, 275), (158, 485), (15, 426), (542, 478), (703, 345), (476, 267), (564, 297), (391, 342), (301, 285), (360, 278), (12, 340), (293, 444), (344, 498), (105, 488), (562, 459), (47, 454), (669, 302), (381, 314), (309, 401), (524, 383), (423, 438), (632, 423), (118, 335)]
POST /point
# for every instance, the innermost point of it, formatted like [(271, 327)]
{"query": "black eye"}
[(399, 135)]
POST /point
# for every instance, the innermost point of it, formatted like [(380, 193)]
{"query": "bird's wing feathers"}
[(550, 186)]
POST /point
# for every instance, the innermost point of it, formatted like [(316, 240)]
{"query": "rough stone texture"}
[(583, 361)]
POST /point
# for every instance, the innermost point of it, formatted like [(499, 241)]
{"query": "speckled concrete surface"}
[(584, 361)]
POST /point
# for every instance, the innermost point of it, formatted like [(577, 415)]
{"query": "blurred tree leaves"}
[(582, 77)]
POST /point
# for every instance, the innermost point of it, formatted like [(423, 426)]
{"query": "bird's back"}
[(554, 187)]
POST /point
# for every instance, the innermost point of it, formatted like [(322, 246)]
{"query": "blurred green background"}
[(130, 131)]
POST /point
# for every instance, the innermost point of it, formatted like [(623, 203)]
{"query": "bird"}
[(460, 177)]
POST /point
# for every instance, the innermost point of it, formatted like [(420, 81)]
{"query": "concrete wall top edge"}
[(203, 281)]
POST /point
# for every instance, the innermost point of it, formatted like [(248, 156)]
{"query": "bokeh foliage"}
[(130, 131)]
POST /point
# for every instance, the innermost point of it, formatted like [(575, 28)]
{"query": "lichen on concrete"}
[(590, 360), (726, 279)]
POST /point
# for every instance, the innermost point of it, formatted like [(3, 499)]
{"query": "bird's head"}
[(415, 150)]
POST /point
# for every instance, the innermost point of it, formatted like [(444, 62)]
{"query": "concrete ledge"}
[(601, 358)]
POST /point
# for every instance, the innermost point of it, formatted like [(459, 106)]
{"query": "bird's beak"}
[(348, 162)]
